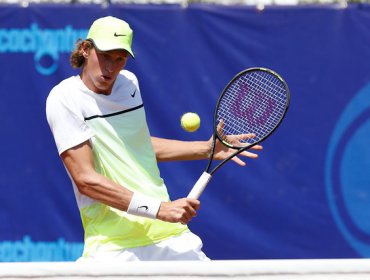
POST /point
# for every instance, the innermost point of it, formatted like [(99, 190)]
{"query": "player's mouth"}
[(106, 78)]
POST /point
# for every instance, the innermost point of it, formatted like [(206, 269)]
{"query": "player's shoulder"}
[(64, 85), (63, 90), (128, 74), (126, 81)]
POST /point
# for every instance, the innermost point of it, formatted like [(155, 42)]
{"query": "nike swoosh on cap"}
[(118, 35)]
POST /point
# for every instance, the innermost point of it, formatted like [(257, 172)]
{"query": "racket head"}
[(251, 107)]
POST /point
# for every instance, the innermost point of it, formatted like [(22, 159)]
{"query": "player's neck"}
[(94, 85)]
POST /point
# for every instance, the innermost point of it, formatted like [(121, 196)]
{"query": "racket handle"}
[(200, 185)]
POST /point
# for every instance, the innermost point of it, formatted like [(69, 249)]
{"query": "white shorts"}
[(185, 247)]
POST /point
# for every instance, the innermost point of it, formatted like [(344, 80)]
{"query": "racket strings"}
[(254, 103)]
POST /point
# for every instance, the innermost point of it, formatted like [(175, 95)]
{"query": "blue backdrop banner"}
[(308, 194)]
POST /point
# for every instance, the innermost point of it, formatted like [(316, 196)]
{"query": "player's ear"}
[(85, 49)]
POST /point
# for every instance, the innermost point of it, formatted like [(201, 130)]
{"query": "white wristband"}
[(144, 206)]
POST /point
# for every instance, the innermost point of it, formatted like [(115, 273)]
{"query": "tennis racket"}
[(249, 109)]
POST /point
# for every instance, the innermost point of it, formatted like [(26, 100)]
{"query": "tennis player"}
[(98, 122)]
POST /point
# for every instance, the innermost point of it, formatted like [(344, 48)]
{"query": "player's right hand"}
[(178, 211)]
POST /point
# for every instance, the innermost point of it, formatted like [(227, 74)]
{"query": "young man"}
[(98, 122)]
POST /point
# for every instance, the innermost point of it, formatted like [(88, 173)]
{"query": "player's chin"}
[(105, 87)]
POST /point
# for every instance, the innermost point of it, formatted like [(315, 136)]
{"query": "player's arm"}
[(176, 150), (173, 150), (80, 164)]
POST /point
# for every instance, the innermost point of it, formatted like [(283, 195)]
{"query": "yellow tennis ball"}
[(190, 122)]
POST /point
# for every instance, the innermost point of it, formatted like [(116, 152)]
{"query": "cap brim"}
[(104, 47)]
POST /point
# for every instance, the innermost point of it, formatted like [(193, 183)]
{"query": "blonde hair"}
[(77, 59)]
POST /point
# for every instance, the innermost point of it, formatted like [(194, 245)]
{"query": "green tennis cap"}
[(110, 33)]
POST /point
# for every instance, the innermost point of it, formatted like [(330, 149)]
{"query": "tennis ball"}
[(190, 122)]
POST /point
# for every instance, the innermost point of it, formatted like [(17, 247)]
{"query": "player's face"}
[(101, 69)]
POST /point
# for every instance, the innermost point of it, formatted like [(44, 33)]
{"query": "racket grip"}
[(200, 185)]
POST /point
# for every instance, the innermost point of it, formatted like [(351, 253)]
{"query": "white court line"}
[(314, 269)]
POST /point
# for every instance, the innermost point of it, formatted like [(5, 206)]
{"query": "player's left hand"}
[(222, 151)]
